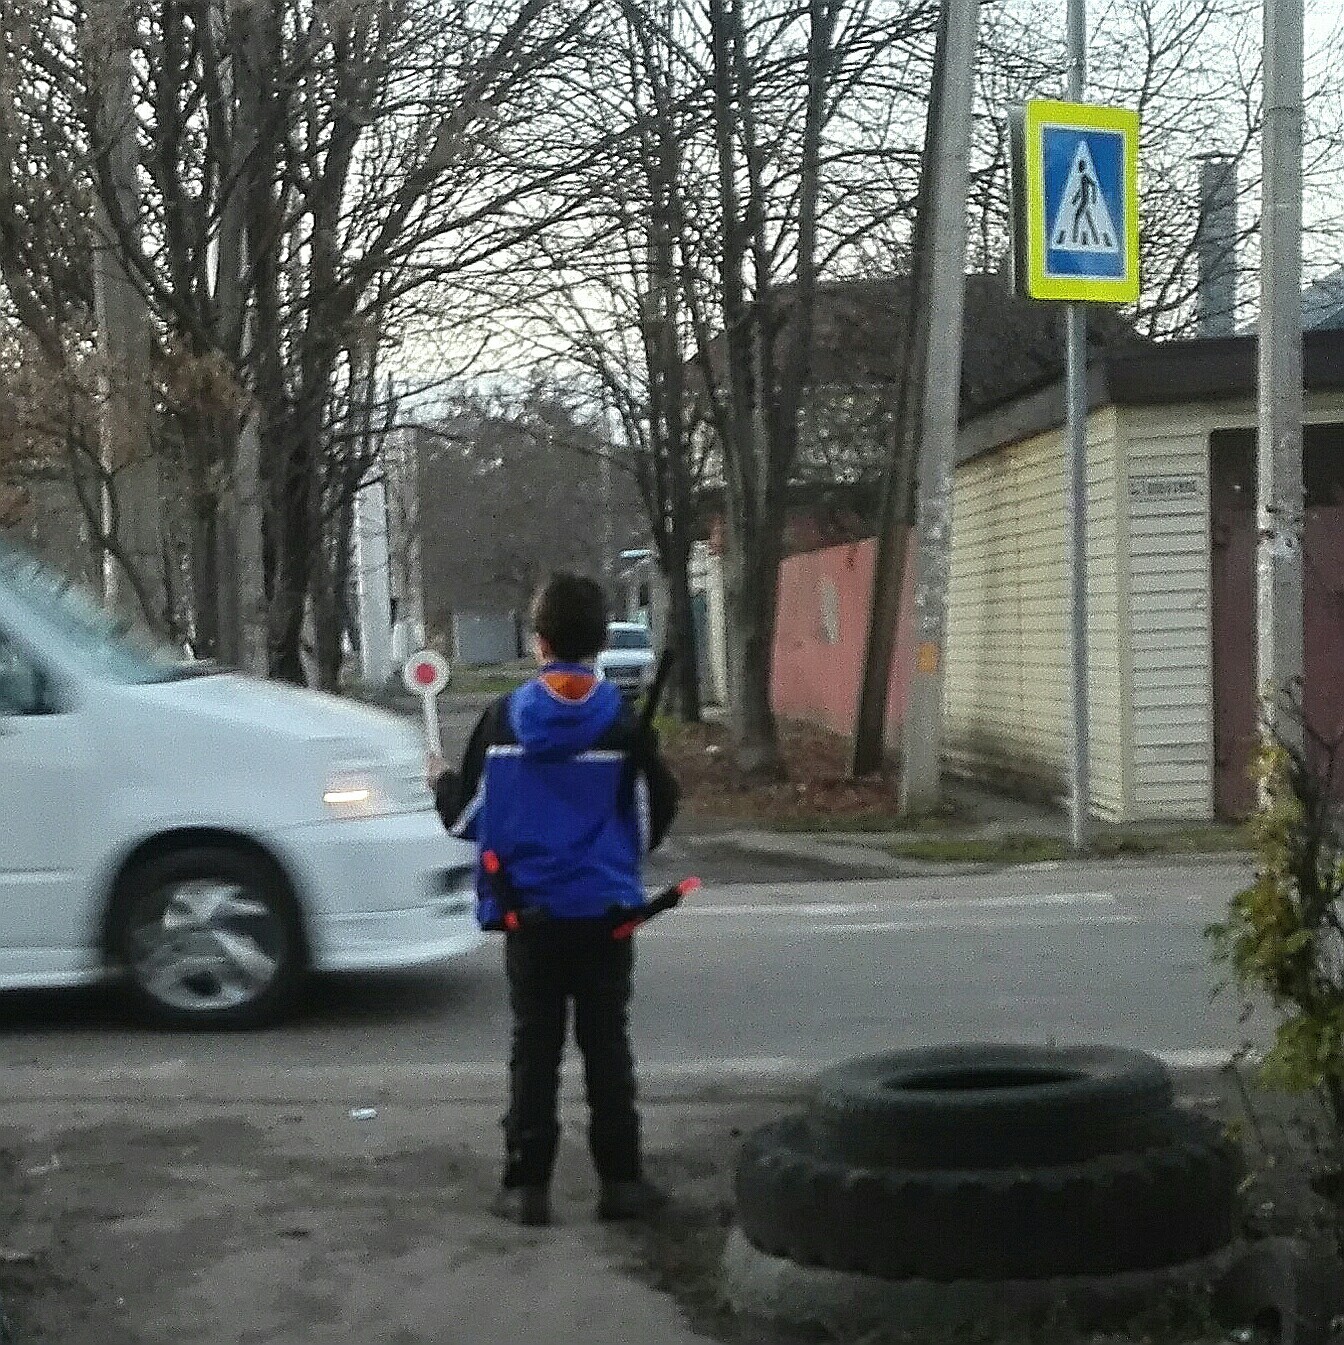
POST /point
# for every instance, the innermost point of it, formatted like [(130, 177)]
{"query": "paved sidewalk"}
[(281, 1223), (299, 1224)]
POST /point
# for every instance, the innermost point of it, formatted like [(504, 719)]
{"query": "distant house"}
[(858, 353), (1323, 303)]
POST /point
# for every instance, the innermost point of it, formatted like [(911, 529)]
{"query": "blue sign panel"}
[(1084, 176)]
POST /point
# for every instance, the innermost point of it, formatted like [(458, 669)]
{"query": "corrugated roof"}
[(1009, 344), (1161, 374)]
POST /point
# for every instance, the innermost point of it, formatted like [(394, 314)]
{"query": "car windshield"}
[(104, 645), (628, 639)]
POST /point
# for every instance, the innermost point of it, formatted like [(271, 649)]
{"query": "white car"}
[(628, 660), (212, 835)]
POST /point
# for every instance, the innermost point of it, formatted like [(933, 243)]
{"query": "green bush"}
[(1284, 935)]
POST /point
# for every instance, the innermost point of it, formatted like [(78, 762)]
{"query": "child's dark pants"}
[(578, 960)]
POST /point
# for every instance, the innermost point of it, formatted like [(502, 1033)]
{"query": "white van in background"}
[(628, 660), (211, 835)]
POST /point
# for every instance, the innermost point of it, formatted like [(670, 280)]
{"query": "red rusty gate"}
[(1232, 506)]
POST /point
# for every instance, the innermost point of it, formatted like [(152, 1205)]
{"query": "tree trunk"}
[(327, 632), (329, 598), (752, 592), (292, 507), (752, 589), (682, 638), (242, 587), (206, 554)]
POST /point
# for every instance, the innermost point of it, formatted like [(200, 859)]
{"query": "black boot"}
[(623, 1201), (529, 1206)]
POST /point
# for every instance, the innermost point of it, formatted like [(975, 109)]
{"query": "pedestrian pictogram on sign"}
[(1075, 202), (1082, 218)]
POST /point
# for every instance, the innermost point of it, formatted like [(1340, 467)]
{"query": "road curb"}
[(466, 1082), (783, 839)]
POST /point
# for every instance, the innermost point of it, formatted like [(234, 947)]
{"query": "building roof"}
[(1009, 343), (1160, 374), (1323, 303)]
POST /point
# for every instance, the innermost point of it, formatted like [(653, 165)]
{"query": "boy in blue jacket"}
[(564, 788)]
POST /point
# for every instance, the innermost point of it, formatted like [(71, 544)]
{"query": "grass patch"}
[(1028, 849), (815, 794), (1199, 840), (961, 850), (489, 681)]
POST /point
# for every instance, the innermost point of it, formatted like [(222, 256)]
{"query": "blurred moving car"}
[(212, 835), (628, 660)]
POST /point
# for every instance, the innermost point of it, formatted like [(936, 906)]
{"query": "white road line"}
[(1197, 1058), (926, 927), (1003, 901)]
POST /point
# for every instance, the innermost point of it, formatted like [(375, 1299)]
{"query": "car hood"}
[(281, 710)]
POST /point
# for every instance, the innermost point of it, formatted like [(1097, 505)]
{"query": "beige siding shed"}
[(1150, 664), (1007, 683), (1169, 647)]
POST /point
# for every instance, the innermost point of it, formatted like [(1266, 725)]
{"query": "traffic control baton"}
[(666, 900), (516, 916)]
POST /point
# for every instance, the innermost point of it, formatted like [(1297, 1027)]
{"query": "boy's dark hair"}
[(570, 614)]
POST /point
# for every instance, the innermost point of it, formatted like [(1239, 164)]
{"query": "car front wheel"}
[(210, 939)]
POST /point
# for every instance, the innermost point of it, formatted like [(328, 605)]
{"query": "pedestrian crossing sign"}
[(1076, 202)]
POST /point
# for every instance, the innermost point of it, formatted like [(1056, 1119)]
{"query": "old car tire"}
[(210, 938), (991, 1106), (1139, 1210)]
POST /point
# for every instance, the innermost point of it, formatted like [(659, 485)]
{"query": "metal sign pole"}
[(1076, 486)]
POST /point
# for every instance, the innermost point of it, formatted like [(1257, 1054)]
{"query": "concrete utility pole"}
[(133, 498), (921, 758), (1076, 488), (373, 583), (895, 523), (1279, 562)]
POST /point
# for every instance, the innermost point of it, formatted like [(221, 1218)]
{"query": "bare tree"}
[(306, 167), (613, 305), (770, 162), (759, 159), (507, 484)]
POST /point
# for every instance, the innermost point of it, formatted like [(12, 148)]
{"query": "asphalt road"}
[(752, 981)]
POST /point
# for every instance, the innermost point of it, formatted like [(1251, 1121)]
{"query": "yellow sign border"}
[(1043, 112)]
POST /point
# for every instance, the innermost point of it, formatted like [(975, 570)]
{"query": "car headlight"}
[(357, 790)]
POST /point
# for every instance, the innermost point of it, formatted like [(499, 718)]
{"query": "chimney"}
[(1216, 246)]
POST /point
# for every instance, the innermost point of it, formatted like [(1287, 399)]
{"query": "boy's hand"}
[(434, 768)]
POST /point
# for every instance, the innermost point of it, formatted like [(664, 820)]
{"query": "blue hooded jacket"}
[(550, 787)]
